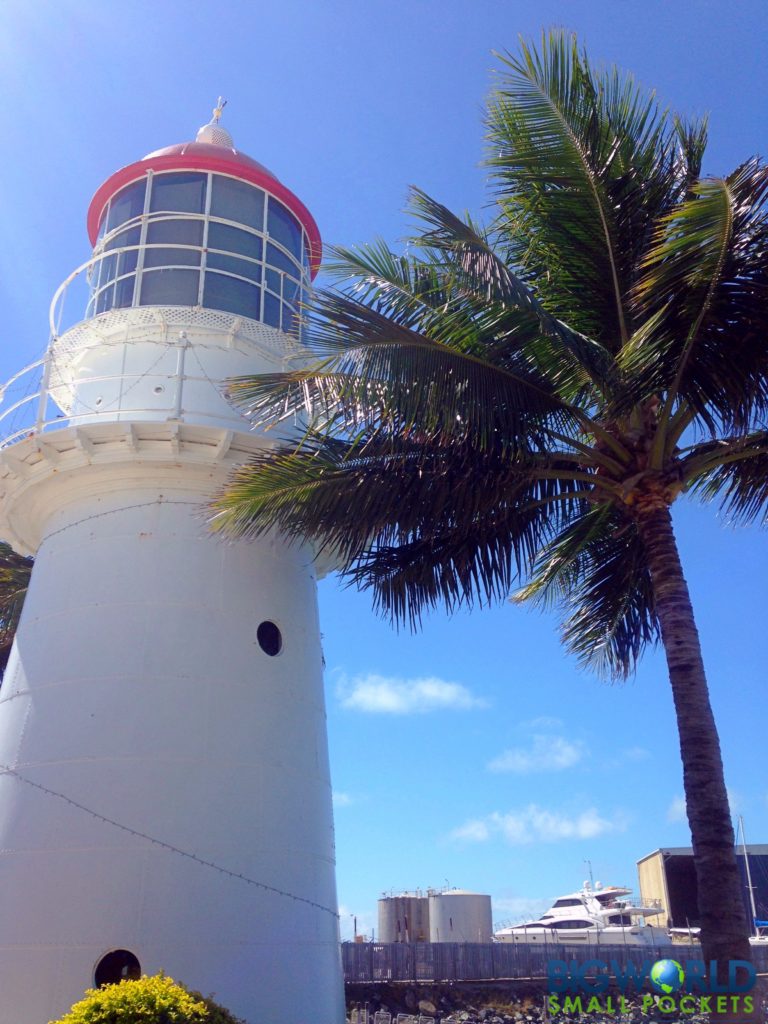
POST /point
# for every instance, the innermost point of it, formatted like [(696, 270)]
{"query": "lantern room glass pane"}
[(277, 258), (291, 290), (238, 201), (127, 204), (105, 271), (231, 295), (271, 310), (183, 192), (283, 227), (169, 288), (222, 236), (104, 299), (129, 237), (124, 291), (244, 268), (126, 262), (180, 232), (171, 257)]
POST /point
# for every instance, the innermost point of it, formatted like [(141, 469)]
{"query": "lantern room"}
[(201, 224), (201, 264)]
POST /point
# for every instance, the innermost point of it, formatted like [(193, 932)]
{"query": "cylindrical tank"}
[(404, 918), (460, 916), (165, 799)]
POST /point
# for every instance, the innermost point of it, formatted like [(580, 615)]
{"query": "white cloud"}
[(545, 754), (543, 722), (629, 755), (637, 754), (551, 827), (535, 824), (475, 831), (676, 810), (341, 799), (393, 696)]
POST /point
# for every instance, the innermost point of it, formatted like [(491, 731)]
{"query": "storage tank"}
[(404, 918), (460, 916)]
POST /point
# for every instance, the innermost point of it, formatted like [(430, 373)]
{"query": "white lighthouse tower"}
[(165, 801)]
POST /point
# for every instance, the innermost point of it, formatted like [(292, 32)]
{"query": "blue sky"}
[(474, 753)]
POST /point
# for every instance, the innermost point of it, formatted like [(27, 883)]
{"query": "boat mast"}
[(750, 887)]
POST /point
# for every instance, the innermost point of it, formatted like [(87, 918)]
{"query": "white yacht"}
[(608, 915)]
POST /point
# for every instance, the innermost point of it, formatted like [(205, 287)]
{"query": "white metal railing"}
[(38, 412), (45, 396)]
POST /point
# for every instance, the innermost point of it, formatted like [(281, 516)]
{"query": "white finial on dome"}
[(213, 133)]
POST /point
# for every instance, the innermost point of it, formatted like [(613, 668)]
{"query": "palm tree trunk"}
[(724, 933)]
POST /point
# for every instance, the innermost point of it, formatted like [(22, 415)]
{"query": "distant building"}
[(668, 875)]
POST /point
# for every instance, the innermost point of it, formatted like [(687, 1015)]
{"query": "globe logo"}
[(667, 976)]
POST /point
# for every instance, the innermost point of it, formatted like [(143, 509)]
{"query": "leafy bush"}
[(155, 1000)]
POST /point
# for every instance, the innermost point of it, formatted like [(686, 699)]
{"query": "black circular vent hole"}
[(115, 967), (270, 638)]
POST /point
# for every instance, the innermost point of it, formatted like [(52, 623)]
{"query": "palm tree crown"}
[(519, 406), (15, 571)]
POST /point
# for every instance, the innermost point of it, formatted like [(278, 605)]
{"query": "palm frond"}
[(583, 164), (703, 298), (15, 572), (376, 493), (459, 561), (390, 377), (404, 287), (595, 572), (692, 137), (481, 272), (734, 470)]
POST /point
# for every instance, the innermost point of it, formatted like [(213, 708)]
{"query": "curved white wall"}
[(125, 369), (137, 688)]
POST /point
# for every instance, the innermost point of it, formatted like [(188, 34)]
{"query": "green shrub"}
[(155, 1000)]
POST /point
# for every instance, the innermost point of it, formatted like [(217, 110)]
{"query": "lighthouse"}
[(165, 799)]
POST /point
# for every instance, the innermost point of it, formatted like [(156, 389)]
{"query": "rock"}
[(425, 1006)]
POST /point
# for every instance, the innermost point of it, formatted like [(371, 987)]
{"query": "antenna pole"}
[(750, 887), (591, 876)]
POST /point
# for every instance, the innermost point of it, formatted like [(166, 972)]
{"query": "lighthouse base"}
[(169, 790)]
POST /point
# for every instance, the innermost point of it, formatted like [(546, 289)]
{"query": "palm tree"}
[(523, 404), (15, 571)]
